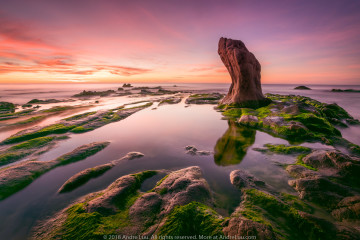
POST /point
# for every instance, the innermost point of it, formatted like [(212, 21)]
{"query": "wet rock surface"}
[(192, 150)]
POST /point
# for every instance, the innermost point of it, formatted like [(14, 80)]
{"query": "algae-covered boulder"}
[(179, 204), (268, 214)]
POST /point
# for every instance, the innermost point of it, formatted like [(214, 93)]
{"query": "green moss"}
[(233, 112), (300, 162), (142, 176), (9, 157), (4, 116), (33, 143), (80, 116), (284, 218), (163, 191), (80, 224), (81, 129), (30, 120), (193, 218), (28, 174), (316, 124), (80, 180), (295, 202), (52, 129), (78, 155), (58, 109), (161, 180), (283, 149)]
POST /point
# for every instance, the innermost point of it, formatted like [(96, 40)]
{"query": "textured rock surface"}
[(238, 226), (244, 70)]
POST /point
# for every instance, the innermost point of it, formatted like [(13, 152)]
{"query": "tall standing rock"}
[(244, 70)]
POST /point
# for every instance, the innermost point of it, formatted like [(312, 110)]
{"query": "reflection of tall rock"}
[(244, 70), (232, 146)]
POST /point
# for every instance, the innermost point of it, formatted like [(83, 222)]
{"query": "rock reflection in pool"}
[(231, 148)]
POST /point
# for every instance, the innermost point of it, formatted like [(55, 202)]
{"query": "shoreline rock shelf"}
[(297, 119)]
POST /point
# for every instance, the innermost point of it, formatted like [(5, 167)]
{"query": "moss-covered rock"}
[(295, 118), (192, 219), (14, 178), (283, 149), (7, 107), (24, 149), (206, 98)]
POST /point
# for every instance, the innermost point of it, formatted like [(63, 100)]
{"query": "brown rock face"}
[(244, 70)]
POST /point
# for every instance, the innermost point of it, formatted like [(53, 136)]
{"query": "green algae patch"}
[(285, 219), (30, 120), (9, 157), (24, 149), (284, 149), (33, 143), (52, 129), (80, 116), (15, 178), (295, 118), (95, 225), (81, 153), (58, 109), (77, 216), (300, 162), (295, 202), (190, 219), (83, 177), (5, 116), (81, 129)]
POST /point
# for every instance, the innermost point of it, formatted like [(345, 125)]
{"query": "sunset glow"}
[(176, 41)]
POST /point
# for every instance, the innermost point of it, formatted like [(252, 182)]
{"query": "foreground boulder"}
[(268, 214), (179, 204), (244, 70)]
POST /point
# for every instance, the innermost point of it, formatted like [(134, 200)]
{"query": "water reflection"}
[(231, 148)]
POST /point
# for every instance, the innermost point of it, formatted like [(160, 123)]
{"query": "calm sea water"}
[(161, 135)]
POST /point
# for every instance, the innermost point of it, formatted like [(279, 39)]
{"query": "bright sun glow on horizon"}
[(296, 42)]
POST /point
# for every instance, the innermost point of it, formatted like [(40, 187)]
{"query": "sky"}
[(175, 41)]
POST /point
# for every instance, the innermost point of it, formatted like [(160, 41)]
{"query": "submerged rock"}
[(244, 70), (192, 150)]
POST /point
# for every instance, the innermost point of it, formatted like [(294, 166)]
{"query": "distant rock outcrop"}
[(244, 70), (302, 88)]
